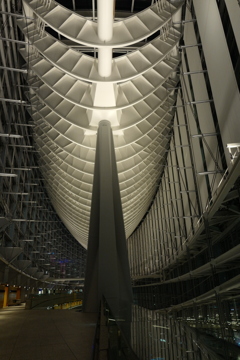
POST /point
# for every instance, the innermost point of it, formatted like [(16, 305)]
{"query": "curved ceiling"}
[(69, 98)]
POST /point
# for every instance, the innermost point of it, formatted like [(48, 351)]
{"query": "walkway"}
[(45, 334)]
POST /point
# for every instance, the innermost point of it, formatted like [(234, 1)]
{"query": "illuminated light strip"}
[(8, 175), (11, 136), (14, 69)]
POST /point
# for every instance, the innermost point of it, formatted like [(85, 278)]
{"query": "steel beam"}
[(107, 272)]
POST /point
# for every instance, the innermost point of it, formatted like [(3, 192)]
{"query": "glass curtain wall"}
[(184, 254)]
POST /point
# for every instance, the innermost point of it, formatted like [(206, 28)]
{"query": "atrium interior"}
[(164, 75)]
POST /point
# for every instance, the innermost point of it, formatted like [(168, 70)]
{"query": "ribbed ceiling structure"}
[(69, 97)]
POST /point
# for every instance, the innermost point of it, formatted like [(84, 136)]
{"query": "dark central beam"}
[(107, 272)]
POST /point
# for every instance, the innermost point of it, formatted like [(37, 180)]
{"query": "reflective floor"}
[(45, 334)]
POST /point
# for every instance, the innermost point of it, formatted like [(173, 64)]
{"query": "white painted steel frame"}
[(69, 97)]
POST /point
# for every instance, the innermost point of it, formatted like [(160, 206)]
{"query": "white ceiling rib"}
[(126, 32), (62, 85), (84, 67)]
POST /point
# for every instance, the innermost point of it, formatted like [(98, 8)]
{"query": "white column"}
[(105, 19), (105, 33), (105, 61)]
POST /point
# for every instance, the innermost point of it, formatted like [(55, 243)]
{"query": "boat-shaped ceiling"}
[(67, 102)]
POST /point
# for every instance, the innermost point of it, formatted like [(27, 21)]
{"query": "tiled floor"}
[(45, 334)]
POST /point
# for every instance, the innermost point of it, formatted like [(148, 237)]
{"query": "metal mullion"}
[(134, 332), (175, 338), (145, 247), (158, 229), (165, 227), (132, 259), (11, 52), (132, 6), (137, 245), (20, 95), (176, 214), (74, 5), (151, 241), (141, 252), (151, 214), (195, 116), (129, 248), (156, 234), (161, 239), (140, 336), (148, 328), (184, 182), (134, 254), (5, 77), (168, 218), (143, 338), (171, 337), (171, 207), (180, 187), (161, 233), (147, 243), (129, 251), (192, 162), (10, 19), (163, 207), (155, 347), (167, 347), (10, 58)]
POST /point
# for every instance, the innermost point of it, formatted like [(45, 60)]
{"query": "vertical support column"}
[(18, 294), (6, 275), (107, 272), (5, 296), (105, 33), (19, 280)]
